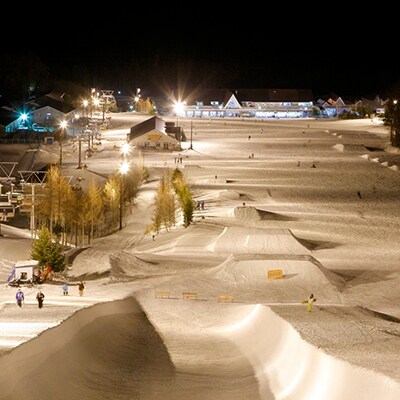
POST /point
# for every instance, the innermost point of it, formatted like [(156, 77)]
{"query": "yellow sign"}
[(275, 274), (154, 137)]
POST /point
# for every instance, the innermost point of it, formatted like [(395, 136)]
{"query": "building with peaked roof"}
[(151, 134), (254, 103), (334, 106), (49, 110)]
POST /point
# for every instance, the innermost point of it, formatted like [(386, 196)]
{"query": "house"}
[(333, 106), (151, 134), (375, 106), (49, 110)]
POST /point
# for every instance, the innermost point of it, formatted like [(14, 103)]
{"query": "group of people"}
[(20, 297)]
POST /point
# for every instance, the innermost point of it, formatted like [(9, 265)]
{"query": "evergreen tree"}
[(48, 253)]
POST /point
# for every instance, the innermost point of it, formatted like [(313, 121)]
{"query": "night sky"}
[(117, 55)]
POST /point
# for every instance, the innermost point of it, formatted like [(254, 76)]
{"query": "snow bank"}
[(295, 370)]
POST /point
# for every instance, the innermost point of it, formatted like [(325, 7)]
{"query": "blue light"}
[(24, 117)]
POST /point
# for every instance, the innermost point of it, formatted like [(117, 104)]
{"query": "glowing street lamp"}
[(85, 103), (63, 125), (125, 149), (123, 169)]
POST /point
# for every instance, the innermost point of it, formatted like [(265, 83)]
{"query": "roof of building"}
[(222, 96), (151, 124), (273, 95), (49, 100)]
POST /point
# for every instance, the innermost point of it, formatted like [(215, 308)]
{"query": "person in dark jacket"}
[(40, 298)]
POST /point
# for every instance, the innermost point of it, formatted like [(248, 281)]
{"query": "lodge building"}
[(253, 103)]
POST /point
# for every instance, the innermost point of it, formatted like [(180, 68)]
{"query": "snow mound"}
[(251, 272), (229, 195), (237, 240), (349, 147), (253, 215), (128, 266)]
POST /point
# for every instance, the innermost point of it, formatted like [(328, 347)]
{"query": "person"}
[(40, 298), (65, 289), (311, 299), (20, 297), (81, 286)]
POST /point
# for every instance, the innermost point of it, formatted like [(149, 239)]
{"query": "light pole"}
[(179, 108), (123, 169), (63, 125), (393, 123), (191, 135), (85, 104), (136, 99)]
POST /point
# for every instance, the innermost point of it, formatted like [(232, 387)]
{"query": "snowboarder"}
[(20, 297), (40, 298), (311, 299)]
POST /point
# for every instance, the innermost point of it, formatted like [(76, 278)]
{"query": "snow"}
[(133, 334)]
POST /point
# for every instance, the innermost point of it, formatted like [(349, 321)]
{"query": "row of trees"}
[(173, 191), (66, 214), (74, 215)]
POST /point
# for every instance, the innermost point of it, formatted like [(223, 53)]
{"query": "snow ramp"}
[(293, 369), (197, 336), (253, 215), (246, 277), (239, 240)]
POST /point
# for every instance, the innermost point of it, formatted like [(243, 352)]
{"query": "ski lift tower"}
[(107, 98)]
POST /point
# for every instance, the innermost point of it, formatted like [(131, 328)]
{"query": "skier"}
[(40, 298), (20, 297)]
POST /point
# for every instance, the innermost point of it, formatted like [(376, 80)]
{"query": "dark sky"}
[(116, 54)]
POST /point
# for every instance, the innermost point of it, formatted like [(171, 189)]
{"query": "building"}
[(252, 103), (49, 110), (151, 134), (334, 106), (23, 272)]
